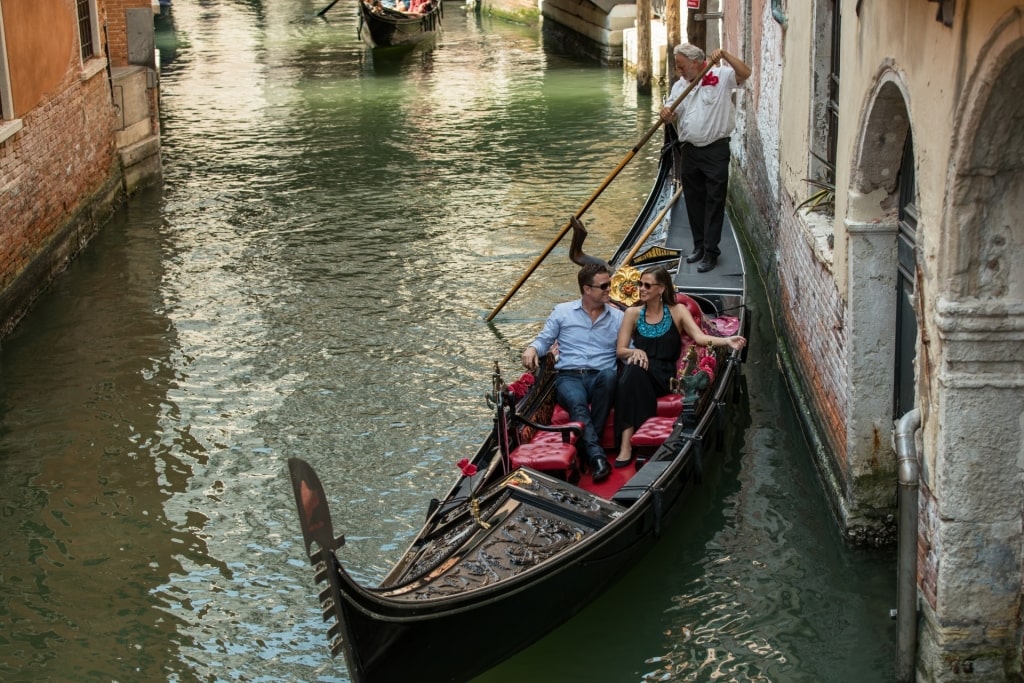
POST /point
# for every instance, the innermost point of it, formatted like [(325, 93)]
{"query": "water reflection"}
[(85, 534)]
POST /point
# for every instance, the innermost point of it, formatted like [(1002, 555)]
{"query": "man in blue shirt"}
[(586, 331)]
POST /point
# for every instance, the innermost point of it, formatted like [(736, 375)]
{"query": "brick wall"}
[(60, 180), (814, 319), (809, 313)]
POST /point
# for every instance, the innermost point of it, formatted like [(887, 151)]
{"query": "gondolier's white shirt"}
[(582, 343), (707, 114)]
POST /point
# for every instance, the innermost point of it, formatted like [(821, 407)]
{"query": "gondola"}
[(382, 26), (524, 539)]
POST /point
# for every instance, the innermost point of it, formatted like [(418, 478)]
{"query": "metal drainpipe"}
[(778, 14), (906, 570)]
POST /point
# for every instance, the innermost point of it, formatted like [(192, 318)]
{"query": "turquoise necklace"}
[(656, 330)]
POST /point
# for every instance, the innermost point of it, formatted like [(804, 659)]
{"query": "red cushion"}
[(724, 326), (556, 437), (690, 303), (653, 432), (670, 405), (558, 458)]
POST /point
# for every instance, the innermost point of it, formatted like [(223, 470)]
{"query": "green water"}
[(311, 279)]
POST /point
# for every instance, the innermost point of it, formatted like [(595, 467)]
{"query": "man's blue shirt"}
[(582, 343)]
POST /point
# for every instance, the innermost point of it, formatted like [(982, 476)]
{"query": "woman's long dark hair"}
[(661, 276)]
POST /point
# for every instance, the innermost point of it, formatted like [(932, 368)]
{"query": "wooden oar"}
[(650, 228), (324, 10), (607, 181)]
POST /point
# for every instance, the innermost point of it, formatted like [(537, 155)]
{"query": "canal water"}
[(311, 280)]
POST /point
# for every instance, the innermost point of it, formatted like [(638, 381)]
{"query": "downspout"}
[(778, 14), (906, 569)]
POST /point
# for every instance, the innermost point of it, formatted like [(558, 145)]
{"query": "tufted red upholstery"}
[(555, 437), (690, 303), (547, 452), (652, 434), (554, 457), (670, 405)]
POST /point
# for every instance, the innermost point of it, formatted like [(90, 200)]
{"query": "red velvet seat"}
[(670, 405), (556, 437), (692, 305), (651, 434), (556, 458), (553, 452)]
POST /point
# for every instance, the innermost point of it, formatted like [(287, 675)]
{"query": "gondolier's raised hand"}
[(742, 70)]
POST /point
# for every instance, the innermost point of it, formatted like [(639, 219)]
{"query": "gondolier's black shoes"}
[(707, 264), (697, 255), (601, 469)]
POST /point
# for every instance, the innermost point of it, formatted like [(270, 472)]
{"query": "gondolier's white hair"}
[(689, 51)]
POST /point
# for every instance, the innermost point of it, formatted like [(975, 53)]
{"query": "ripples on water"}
[(311, 281)]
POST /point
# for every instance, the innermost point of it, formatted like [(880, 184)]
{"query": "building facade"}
[(78, 130), (901, 122)]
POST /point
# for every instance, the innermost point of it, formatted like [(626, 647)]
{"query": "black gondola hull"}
[(389, 28), (459, 637), (507, 556)]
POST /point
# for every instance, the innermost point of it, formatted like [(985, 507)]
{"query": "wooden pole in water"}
[(697, 31), (674, 37), (643, 47)]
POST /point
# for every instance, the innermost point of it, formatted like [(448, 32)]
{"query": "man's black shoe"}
[(707, 264), (601, 469), (697, 255)]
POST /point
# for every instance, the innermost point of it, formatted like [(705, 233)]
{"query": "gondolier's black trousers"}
[(704, 174)]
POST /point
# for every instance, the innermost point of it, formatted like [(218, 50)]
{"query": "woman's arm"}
[(623, 344), (691, 328)]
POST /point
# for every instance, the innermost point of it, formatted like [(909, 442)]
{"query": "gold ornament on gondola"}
[(626, 285)]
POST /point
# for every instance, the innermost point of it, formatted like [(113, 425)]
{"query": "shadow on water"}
[(86, 539)]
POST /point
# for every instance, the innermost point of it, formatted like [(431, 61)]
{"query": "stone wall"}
[(61, 160), (61, 182), (517, 11)]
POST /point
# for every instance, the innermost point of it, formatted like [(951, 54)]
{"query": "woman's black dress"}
[(638, 391)]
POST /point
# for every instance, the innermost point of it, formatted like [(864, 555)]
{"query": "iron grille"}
[(833, 88), (85, 29)]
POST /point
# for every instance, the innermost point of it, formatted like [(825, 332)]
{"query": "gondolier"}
[(586, 330), (704, 123)]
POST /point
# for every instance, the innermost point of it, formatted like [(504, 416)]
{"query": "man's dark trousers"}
[(704, 174)]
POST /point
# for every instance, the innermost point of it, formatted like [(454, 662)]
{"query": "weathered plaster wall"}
[(956, 91), (41, 38)]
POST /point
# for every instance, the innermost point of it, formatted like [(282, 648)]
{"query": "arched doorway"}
[(882, 321), (973, 434)]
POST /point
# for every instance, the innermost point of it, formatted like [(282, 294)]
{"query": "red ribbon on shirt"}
[(709, 79)]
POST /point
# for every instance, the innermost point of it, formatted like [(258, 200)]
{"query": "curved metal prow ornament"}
[(576, 255)]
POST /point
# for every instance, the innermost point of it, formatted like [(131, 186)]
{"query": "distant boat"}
[(525, 539), (382, 26)]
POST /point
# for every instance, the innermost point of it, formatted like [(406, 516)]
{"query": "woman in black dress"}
[(649, 344)]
